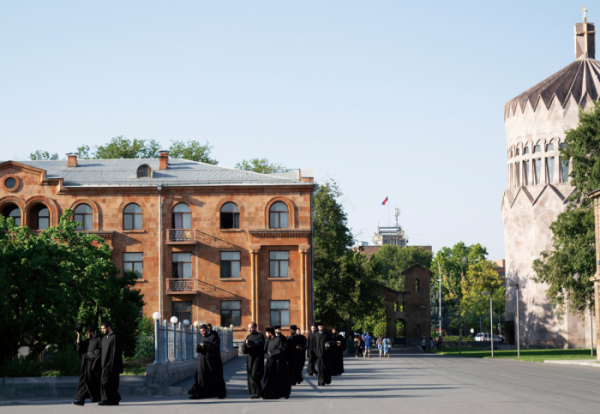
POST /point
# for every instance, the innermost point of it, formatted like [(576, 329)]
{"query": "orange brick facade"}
[(205, 240)]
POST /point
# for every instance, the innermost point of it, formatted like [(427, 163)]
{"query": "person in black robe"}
[(322, 350), (209, 373), (312, 358), (90, 373), (254, 348), (296, 354), (112, 366), (337, 353), (277, 376)]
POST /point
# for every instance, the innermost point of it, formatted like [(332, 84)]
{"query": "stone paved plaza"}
[(409, 382)]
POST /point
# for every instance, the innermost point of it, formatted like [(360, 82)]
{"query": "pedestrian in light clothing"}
[(368, 339), (387, 344), (379, 344)]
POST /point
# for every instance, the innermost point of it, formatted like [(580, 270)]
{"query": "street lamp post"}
[(491, 323)]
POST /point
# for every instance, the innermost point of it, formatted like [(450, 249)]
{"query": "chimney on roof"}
[(163, 159), (71, 159), (585, 38)]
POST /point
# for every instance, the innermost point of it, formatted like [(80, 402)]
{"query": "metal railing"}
[(177, 342), (181, 235), (182, 285)]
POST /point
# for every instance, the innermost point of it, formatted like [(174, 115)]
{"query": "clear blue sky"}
[(389, 98)]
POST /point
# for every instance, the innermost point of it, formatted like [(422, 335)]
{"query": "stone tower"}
[(538, 185)]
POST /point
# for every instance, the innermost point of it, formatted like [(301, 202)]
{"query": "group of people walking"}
[(363, 342), (101, 365)]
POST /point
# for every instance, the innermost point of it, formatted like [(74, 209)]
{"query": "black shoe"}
[(78, 402), (103, 403)]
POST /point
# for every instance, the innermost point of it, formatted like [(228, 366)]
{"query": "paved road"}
[(409, 382)]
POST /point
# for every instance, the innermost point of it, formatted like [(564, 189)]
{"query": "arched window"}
[(13, 211), (416, 285), (278, 216), (230, 216), (144, 171), (40, 217), (84, 215), (182, 216), (132, 217)]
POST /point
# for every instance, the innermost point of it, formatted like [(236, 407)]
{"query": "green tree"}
[(393, 260), (569, 265), (193, 151), (260, 165), (482, 277), (52, 279), (345, 288), (121, 147), (42, 155)]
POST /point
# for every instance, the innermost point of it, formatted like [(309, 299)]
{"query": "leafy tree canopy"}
[(53, 279), (452, 264), (391, 261), (569, 265), (121, 147), (345, 288), (42, 155), (260, 165), (482, 277)]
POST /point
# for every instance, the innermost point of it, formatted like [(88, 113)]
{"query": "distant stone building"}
[(538, 186), (209, 243), (407, 312)]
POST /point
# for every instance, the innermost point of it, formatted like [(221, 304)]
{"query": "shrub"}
[(21, 367), (66, 362)]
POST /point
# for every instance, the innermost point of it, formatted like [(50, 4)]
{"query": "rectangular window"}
[(536, 149), (280, 313), (564, 170), (279, 264), (230, 264), (183, 310), (182, 265), (537, 165), (549, 147), (525, 173), (518, 176), (518, 152), (231, 313), (525, 150), (133, 262), (550, 168)]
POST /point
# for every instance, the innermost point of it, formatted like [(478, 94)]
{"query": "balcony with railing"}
[(182, 236), (182, 286)]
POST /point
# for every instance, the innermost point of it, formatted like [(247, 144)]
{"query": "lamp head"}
[(174, 320), (156, 316)]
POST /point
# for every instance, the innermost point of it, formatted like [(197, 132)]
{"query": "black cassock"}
[(312, 358), (337, 355), (90, 373), (296, 345), (209, 373), (255, 361), (277, 375), (112, 367), (323, 355)]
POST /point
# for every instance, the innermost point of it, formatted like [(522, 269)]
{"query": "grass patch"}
[(136, 367), (534, 355)]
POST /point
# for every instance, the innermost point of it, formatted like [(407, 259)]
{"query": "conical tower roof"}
[(580, 79)]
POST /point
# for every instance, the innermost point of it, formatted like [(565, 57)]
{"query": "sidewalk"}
[(585, 362)]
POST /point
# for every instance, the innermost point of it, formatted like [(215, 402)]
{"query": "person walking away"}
[(312, 358), (209, 381), (361, 346), (368, 339), (277, 376), (112, 366), (254, 348), (296, 354), (90, 373), (337, 353), (323, 355), (423, 343), (387, 344), (380, 345)]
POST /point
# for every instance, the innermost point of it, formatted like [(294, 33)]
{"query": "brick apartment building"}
[(209, 243)]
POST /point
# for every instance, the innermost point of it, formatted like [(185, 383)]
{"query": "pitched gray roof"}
[(580, 80), (123, 172)]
